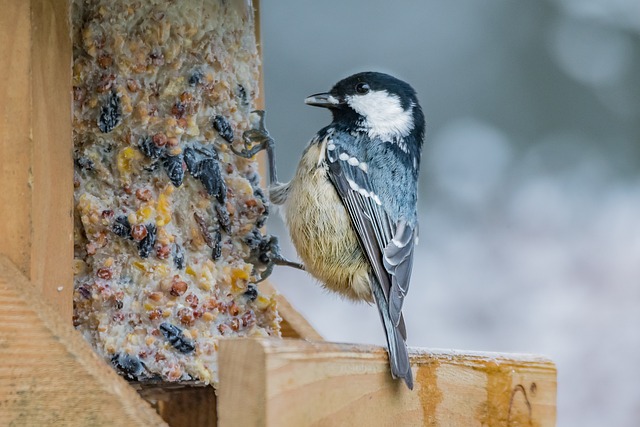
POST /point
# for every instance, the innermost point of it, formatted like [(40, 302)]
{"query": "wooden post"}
[(49, 375), (296, 383), (36, 170)]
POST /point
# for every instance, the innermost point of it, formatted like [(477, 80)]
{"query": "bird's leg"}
[(270, 256), (256, 140)]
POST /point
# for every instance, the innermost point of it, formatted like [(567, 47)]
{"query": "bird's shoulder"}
[(386, 169)]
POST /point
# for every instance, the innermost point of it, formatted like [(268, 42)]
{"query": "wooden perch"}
[(296, 383)]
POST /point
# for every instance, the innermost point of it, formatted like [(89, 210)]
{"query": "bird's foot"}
[(269, 256), (255, 140)]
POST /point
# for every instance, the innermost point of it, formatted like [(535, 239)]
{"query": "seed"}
[(146, 244), (143, 194), (84, 291), (108, 214), (155, 296), (160, 139), (223, 127), (104, 273), (128, 365), (173, 165), (235, 324), (121, 226), (202, 163), (241, 93), (132, 85), (233, 309), (178, 110), (195, 78), (248, 319), (110, 113), (178, 256), (105, 61), (186, 316), (163, 251), (150, 148), (251, 292), (91, 248), (139, 232), (192, 300), (178, 287), (176, 338)]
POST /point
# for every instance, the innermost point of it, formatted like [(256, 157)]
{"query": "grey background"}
[(530, 192)]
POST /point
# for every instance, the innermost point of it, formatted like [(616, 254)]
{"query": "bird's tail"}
[(396, 337)]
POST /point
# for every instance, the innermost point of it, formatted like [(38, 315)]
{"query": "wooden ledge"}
[(299, 383)]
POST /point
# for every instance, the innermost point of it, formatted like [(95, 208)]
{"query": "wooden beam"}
[(298, 383), (189, 407), (36, 169), (293, 325), (49, 375)]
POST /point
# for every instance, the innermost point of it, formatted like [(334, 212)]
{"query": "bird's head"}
[(375, 103)]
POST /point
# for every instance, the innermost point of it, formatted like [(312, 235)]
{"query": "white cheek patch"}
[(383, 114)]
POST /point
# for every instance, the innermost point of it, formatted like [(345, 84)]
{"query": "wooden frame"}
[(50, 375)]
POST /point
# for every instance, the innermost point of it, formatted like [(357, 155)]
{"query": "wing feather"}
[(388, 245)]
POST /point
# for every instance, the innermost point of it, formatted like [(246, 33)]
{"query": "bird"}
[(351, 207)]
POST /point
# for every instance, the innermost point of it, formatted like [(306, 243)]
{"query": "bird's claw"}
[(270, 256), (255, 140)]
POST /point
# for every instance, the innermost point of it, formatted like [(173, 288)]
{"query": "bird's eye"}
[(362, 88)]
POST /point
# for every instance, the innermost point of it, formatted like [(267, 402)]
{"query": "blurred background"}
[(530, 180)]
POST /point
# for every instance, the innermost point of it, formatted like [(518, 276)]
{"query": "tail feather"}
[(398, 354)]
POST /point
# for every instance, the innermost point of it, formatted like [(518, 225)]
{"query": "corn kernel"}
[(144, 213), (262, 302), (163, 216), (140, 265), (190, 271), (127, 158), (204, 285)]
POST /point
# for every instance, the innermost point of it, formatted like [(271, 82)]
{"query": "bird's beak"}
[(325, 100)]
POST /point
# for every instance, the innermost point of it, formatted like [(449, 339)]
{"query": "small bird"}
[(351, 206)]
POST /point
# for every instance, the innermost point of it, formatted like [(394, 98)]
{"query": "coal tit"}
[(351, 206)]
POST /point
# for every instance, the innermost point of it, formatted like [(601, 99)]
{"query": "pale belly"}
[(322, 233)]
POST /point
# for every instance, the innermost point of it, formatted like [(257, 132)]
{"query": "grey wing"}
[(387, 245), (398, 262)]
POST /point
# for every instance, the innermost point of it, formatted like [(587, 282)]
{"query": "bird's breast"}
[(321, 229)]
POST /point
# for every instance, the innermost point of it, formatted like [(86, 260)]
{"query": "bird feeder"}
[(120, 194)]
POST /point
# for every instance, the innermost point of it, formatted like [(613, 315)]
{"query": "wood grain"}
[(299, 383), (293, 325), (189, 407), (49, 375), (36, 169)]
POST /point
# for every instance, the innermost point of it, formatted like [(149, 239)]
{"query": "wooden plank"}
[(49, 375), (293, 325), (298, 383), (36, 168), (194, 406)]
